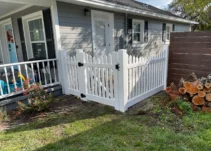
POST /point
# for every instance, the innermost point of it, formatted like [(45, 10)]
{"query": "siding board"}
[(76, 29)]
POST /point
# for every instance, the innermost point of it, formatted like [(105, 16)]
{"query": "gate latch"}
[(82, 95), (117, 67), (80, 64)]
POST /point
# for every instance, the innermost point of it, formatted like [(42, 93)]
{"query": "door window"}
[(37, 38), (34, 33), (102, 33)]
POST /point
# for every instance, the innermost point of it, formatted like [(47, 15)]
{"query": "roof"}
[(142, 6), (133, 7)]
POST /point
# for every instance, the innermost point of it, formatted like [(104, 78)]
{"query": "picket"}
[(116, 79)]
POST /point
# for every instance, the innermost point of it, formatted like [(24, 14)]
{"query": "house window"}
[(169, 28), (138, 32)]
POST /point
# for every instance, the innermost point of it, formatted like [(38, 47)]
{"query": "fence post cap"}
[(79, 50), (123, 50)]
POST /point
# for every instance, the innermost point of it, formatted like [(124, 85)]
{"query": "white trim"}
[(110, 16), (121, 8), (170, 30), (15, 11), (135, 43), (3, 23), (25, 20), (58, 47)]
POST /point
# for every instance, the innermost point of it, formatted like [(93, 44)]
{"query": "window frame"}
[(141, 32), (25, 21), (170, 30)]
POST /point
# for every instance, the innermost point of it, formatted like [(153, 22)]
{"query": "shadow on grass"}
[(67, 109), (120, 134)]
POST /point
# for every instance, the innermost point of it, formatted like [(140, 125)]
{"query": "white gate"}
[(118, 80), (92, 78)]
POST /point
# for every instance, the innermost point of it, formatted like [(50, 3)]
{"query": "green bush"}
[(184, 106)]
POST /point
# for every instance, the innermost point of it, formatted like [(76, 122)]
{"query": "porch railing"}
[(13, 76)]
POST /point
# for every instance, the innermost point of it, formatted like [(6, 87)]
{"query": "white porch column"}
[(57, 41)]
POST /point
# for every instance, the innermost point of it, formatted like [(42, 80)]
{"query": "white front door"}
[(7, 42), (34, 32), (102, 33)]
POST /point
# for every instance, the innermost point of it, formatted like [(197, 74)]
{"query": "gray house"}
[(97, 26), (39, 30)]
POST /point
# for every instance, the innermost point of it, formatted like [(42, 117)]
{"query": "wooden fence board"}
[(189, 52)]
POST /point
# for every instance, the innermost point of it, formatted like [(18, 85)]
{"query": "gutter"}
[(127, 9)]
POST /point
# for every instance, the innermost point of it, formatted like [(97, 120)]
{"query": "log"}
[(191, 89), (208, 97), (168, 89), (206, 90), (206, 109), (173, 86), (182, 90), (207, 85), (201, 94), (193, 77), (195, 83), (181, 82), (199, 87), (198, 101), (174, 97)]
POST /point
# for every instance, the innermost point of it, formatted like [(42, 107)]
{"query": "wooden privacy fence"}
[(189, 52), (118, 80)]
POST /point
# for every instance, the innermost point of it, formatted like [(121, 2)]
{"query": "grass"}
[(91, 127)]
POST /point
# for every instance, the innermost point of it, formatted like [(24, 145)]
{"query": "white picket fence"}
[(118, 80)]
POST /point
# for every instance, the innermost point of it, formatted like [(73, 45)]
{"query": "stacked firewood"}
[(197, 91)]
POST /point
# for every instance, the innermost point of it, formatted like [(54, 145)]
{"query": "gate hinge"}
[(80, 64), (82, 95), (117, 67)]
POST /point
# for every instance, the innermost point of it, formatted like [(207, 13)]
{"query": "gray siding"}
[(76, 30), (14, 18), (182, 28)]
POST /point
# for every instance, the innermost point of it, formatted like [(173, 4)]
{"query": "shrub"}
[(38, 99), (185, 107)]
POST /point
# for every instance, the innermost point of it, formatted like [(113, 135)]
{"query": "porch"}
[(28, 48)]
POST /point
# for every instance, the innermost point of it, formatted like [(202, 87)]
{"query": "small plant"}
[(184, 106), (38, 99), (3, 115)]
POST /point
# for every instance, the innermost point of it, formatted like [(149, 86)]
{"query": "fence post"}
[(123, 79), (82, 77), (166, 49), (116, 82), (61, 63), (63, 59)]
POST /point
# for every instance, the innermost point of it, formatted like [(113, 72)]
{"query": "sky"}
[(157, 3)]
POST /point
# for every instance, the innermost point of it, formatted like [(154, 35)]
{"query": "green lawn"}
[(94, 127)]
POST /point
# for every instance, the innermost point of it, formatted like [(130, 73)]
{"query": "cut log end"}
[(201, 94), (191, 89), (168, 89), (199, 87), (208, 97), (182, 90), (207, 85), (198, 101)]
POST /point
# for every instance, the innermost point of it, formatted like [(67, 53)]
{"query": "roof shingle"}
[(142, 6)]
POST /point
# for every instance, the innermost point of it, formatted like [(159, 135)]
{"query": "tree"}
[(197, 10)]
